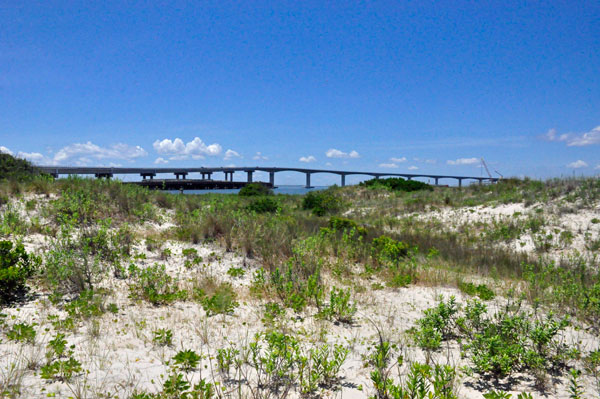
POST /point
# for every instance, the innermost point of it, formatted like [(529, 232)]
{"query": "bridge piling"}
[(437, 181), (249, 176), (343, 180), (272, 179), (308, 180), (180, 175)]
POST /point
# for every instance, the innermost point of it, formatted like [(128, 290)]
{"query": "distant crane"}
[(488, 171)]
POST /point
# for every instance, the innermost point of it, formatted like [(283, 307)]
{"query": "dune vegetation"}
[(383, 290)]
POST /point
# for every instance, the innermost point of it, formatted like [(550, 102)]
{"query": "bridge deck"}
[(181, 173)]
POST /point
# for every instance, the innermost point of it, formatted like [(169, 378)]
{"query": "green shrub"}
[(321, 202), (481, 290), (60, 370), (22, 332), (87, 305), (341, 224), (437, 325), (254, 189), (222, 301), (154, 285), (397, 184), (16, 265), (187, 360), (162, 337), (236, 272), (264, 205), (12, 168), (388, 251), (339, 307)]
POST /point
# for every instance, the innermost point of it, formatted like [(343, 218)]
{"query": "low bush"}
[(341, 224), (498, 345), (321, 202), (480, 290), (264, 205), (255, 189), (154, 285), (397, 184), (339, 308), (388, 251), (12, 168), (221, 301), (16, 265)]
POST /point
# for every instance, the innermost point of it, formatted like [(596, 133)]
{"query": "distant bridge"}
[(206, 173)]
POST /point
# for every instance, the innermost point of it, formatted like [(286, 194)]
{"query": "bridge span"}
[(206, 173)]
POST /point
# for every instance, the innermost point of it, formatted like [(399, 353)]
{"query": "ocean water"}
[(279, 190)]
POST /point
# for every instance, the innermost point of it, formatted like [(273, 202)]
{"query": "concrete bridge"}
[(207, 172)]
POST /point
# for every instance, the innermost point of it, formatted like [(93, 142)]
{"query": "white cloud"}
[(34, 157), (463, 161), (328, 164), (5, 150), (597, 166), (398, 160), (430, 161), (577, 164), (333, 153), (85, 151), (308, 159), (160, 161), (413, 167), (230, 154), (177, 149), (388, 165), (575, 139), (260, 157)]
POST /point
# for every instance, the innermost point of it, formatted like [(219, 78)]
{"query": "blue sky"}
[(377, 86)]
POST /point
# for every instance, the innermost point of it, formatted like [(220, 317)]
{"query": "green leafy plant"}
[(397, 184), (187, 360), (222, 301), (264, 205), (226, 358), (22, 332), (236, 272), (339, 307), (61, 370), (154, 285), (16, 265), (88, 304), (162, 337), (437, 325), (254, 189), (321, 202), (575, 388), (480, 290)]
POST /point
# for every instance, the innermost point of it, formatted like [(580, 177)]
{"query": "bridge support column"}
[(480, 182), (460, 182), (308, 180), (209, 176), (249, 176), (437, 181), (105, 175), (409, 178), (343, 180), (272, 179), (180, 175)]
